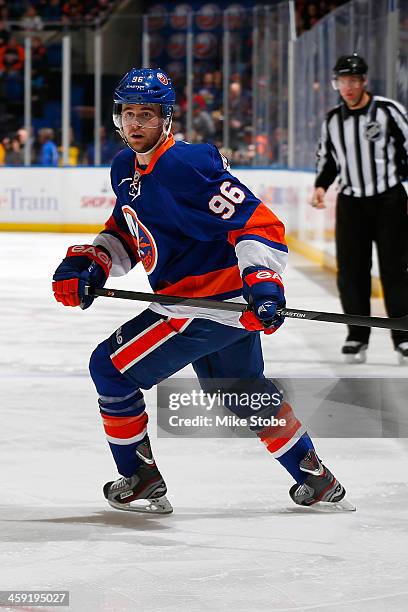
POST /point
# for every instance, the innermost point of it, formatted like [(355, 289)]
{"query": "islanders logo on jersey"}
[(146, 245)]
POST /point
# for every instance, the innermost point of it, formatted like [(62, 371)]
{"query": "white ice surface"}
[(235, 540)]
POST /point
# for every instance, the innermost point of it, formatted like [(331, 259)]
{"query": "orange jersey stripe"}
[(263, 222), (204, 285), (146, 342)]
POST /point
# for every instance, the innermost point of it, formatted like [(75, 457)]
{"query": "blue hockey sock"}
[(291, 459)]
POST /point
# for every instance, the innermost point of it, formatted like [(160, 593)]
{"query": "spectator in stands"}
[(245, 153), (11, 56), (14, 153), (109, 148), (72, 10), (311, 15), (3, 7), (4, 12), (52, 11), (324, 8), (308, 12), (218, 80), (203, 124), (4, 33), (38, 55), (211, 94), (22, 136), (73, 151), (4, 146), (100, 10), (177, 124), (39, 81), (239, 112), (280, 146), (48, 155), (31, 20)]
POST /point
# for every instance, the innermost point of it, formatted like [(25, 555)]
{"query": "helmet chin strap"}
[(161, 139)]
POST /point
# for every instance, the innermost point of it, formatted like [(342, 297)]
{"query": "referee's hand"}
[(317, 200)]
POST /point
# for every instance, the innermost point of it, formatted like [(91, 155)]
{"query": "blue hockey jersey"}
[(193, 225)]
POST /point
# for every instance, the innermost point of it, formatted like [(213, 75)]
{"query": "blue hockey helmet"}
[(145, 86)]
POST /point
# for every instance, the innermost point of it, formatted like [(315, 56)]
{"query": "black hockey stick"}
[(292, 313)]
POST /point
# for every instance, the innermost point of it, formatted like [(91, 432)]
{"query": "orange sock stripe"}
[(117, 421), (124, 427), (276, 437), (286, 412), (275, 443)]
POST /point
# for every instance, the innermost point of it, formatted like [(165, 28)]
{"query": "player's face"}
[(351, 89), (142, 125)]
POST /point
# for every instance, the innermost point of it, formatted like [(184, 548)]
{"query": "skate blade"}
[(341, 506), (159, 505), (360, 357), (403, 361)]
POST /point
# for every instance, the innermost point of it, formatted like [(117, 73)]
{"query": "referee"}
[(364, 143)]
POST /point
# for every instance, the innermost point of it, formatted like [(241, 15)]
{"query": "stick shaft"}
[(292, 313)]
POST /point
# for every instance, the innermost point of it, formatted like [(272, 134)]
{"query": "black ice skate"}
[(354, 351), (402, 350), (319, 486), (145, 491)]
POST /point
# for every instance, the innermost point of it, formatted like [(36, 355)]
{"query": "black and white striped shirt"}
[(366, 148)]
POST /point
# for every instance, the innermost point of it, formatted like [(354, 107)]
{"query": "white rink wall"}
[(81, 199), (54, 199)]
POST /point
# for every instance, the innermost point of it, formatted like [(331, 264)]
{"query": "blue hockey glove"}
[(263, 290), (84, 264)]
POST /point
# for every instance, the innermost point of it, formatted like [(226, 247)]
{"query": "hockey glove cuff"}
[(263, 290), (84, 264)]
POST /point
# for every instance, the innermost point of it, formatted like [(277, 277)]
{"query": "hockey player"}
[(198, 232)]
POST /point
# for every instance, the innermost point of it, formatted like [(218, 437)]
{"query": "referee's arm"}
[(399, 115), (326, 168)]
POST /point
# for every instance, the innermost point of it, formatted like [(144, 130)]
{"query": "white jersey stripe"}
[(255, 253)]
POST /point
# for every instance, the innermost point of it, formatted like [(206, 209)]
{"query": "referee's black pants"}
[(360, 221)]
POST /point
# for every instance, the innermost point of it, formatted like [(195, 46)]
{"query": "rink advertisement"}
[(81, 199), (328, 408), (55, 199)]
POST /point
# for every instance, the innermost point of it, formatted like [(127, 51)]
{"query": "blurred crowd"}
[(37, 15), (248, 143), (46, 148), (308, 12), (208, 120)]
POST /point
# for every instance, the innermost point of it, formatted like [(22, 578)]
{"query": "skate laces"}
[(304, 489), (121, 482)]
